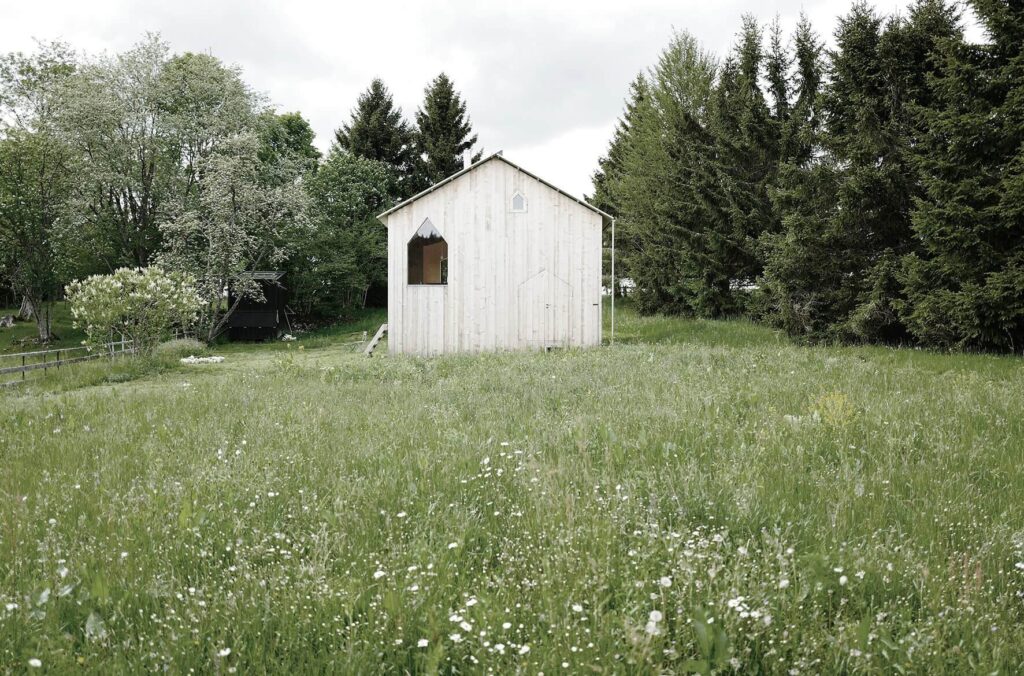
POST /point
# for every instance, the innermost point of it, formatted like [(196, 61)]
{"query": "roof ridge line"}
[(495, 155)]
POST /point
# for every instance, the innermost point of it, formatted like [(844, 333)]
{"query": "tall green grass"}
[(700, 497), (22, 336)]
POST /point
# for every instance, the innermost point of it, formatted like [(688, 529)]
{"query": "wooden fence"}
[(42, 360)]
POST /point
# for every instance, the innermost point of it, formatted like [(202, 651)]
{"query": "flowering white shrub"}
[(142, 304), (192, 359)]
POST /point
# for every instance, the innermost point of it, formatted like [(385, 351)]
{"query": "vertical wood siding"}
[(515, 280)]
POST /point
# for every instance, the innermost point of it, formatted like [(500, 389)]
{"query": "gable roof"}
[(494, 156)]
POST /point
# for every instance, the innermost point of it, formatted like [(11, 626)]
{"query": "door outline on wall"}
[(540, 302)]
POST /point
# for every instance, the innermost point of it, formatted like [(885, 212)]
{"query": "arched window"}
[(518, 201), (428, 256)]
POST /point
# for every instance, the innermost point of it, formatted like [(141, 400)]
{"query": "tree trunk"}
[(25, 313), (43, 310)]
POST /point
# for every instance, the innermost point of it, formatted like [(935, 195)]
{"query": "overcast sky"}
[(544, 80)]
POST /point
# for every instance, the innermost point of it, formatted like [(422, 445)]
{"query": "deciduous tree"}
[(36, 171), (239, 223)]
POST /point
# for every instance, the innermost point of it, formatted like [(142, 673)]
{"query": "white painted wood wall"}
[(526, 280)]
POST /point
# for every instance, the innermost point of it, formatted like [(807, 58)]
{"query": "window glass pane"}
[(428, 256)]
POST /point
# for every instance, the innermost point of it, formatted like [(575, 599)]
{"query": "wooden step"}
[(376, 339)]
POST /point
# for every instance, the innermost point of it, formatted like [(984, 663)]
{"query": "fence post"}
[(58, 360), (23, 367)]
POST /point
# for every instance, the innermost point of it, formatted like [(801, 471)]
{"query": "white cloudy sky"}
[(544, 79)]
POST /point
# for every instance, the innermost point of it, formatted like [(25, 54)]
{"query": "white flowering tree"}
[(142, 304), (241, 222)]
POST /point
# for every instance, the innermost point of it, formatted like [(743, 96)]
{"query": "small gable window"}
[(518, 202), (428, 256)]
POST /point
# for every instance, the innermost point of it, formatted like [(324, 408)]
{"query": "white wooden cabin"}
[(493, 258)]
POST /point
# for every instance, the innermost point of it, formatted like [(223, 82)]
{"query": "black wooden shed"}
[(254, 319)]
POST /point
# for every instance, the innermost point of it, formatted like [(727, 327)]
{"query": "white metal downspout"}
[(612, 340)]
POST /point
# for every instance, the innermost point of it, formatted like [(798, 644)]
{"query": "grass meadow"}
[(700, 497), (23, 335)]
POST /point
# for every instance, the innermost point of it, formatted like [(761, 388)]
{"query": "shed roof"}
[(495, 156)]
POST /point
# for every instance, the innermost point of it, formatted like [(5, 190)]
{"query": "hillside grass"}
[(23, 336), (702, 496)]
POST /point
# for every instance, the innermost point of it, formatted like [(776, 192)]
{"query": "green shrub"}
[(180, 347), (142, 304)]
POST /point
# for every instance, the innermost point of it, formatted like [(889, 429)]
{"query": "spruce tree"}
[(608, 177), (965, 287), (746, 160), (669, 223), (378, 132), (800, 137), (835, 272), (444, 132), (777, 67)]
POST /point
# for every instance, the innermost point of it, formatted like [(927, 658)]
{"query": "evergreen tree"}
[(744, 137), (803, 196), (800, 138), (670, 224), (965, 287), (777, 67), (444, 132), (376, 130), (835, 272), (608, 177)]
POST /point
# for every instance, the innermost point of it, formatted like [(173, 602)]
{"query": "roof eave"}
[(382, 217)]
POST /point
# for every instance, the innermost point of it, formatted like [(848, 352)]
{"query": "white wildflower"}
[(665, 581), (379, 574), (422, 643)]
